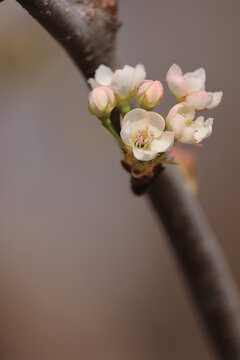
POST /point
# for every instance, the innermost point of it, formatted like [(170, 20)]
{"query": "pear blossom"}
[(101, 101), (125, 80), (143, 132), (149, 94), (190, 87), (180, 120), (122, 81)]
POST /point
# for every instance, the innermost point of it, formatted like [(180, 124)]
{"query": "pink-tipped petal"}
[(177, 125), (199, 99), (174, 70), (149, 94), (175, 81), (184, 109)]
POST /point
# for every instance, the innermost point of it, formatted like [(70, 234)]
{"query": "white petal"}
[(126, 134), (199, 99), (194, 84), (217, 98), (199, 120), (156, 124), (163, 143), (103, 75), (138, 118), (188, 135), (202, 129), (209, 122), (121, 81), (92, 82), (187, 110), (143, 155), (139, 75), (200, 73)]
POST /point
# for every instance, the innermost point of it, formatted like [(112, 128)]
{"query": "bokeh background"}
[(85, 268)]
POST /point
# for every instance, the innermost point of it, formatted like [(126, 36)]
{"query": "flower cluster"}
[(145, 134)]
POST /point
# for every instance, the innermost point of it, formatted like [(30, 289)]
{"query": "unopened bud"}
[(149, 94), (101, 101)]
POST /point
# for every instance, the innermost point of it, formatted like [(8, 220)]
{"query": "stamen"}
[(188, 122), (143, 138)]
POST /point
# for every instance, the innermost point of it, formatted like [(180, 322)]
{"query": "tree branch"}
[(87, 29), (201, 260)]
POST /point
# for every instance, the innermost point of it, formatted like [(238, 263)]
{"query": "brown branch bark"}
[(202, 262), (87, 29)]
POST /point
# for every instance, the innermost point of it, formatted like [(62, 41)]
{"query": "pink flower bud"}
[(101, 101), (149, 94)]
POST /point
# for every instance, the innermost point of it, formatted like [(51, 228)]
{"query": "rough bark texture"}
[(87, 29)]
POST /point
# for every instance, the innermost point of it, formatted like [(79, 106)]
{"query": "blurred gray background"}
[(85, 268)]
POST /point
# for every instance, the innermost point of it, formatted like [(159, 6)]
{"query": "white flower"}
[(149, 94), (143, 131), (190, 87), (181, 121), (125, 80), (122, 81), (101, 101)]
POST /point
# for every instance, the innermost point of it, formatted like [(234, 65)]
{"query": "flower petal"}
[(217, 98), (188, 135), (174, 70), (202, 129), (164, 142), (177, 125), (184, 109), (176, 81), (103, 75), (187, 110), (199, 99), (92, 82), (143, 155), (199, 73), (156, 124), (139, 75), (121, 81), (138, 117), (194, 84), (126, 134), (173, 112)]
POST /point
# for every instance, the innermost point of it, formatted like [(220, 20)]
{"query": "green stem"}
[(124, 106), (107, 124)]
